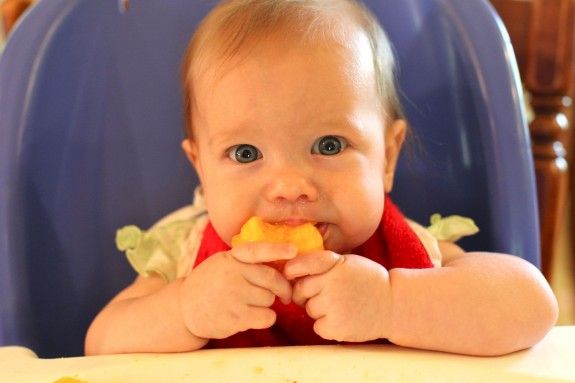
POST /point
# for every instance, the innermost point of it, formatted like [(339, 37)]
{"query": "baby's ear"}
[(190, 148), (394, 137)]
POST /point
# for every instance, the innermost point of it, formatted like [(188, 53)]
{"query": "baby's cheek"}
[(225, 225), (224, 232), (356, 230)]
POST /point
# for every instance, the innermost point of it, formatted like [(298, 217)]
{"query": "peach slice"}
[(306, 237)]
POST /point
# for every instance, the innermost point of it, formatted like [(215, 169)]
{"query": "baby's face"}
[(295, 134)]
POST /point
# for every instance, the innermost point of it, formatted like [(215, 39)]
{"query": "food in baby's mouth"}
[(306, 237)]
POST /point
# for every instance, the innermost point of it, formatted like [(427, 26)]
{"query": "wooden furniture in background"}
[(10, 11), (543, 34)]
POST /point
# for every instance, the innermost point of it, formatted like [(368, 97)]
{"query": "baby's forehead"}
[(351, 53), (225, 50)]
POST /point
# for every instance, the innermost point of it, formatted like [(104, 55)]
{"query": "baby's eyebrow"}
[(231, 134), (219, 139), (344, 125), (338, 125)]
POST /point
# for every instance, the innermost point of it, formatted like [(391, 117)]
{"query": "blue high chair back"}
[(91, 121)]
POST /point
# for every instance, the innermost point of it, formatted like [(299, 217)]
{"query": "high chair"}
[(91, 122)]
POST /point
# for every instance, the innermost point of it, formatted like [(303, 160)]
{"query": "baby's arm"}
[(476, 304), (228, 293), (145, 317)]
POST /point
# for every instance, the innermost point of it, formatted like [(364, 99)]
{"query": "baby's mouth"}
[(322, 227)]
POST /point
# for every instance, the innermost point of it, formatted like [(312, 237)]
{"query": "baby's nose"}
[(291, 187)]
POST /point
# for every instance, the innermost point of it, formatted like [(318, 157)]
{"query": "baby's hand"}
[(349, 296), (232, 291)]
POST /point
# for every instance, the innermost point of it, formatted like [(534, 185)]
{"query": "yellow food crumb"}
[(259, 370), (68, 379), (305, 237)]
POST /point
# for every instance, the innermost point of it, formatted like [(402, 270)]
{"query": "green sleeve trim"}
[(157, 250), (451, 228)]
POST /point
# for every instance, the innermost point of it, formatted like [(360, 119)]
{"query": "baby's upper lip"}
[(297, 221), (293, 221)]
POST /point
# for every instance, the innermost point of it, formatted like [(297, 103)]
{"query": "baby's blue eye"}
[(244, 153), (329, 145)]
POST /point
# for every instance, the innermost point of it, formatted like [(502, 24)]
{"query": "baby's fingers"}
[(262, 252), (305, 289), (260, 317), (269, 279), (260, 297), (249, 317), (312, 263)]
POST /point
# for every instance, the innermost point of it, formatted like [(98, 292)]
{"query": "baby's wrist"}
[(185, 320), (389, 325)]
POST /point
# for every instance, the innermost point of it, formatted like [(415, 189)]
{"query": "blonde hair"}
[(233, 24)]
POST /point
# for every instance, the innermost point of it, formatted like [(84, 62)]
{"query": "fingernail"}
[(291, 249)]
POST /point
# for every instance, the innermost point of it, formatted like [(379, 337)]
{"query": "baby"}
[(293, 117)]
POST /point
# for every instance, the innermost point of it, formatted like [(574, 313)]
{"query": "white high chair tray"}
[(552, 360)]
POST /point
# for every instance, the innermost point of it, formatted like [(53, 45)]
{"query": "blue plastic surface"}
[(91, 121)]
